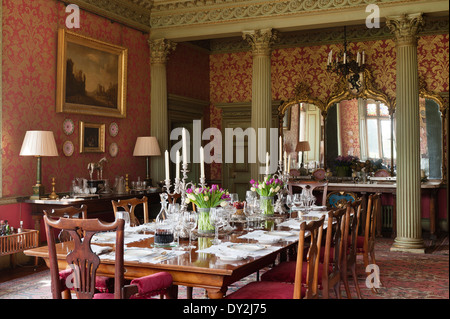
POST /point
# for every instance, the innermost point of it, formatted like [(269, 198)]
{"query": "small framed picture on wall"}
[(92, 137)]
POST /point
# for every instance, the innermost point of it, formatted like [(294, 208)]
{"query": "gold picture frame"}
[(91, 76), (92, 137)]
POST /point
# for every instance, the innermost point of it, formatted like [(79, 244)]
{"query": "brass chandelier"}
[(346, 65)]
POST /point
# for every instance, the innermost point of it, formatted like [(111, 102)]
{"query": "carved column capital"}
[(160, 49), (405, 28), (261, 40)]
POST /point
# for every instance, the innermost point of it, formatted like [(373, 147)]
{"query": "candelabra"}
[(180, 186), (282, 175)]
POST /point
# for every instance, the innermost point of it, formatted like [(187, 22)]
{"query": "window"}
[(376, 131)]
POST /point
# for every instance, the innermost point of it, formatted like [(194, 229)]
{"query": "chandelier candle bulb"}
[(363, 58)]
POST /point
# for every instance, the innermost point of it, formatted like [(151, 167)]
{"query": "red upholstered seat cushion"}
[(103, 296), (285, 272), (152, 285), (265, 290), (102, 284), (359, 243)]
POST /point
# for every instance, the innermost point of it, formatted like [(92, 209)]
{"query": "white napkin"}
[(263, 237), (110, 237), (145, 255), (229, 250), (100, 249)]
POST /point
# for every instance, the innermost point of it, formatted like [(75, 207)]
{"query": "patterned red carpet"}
[(403, 276)]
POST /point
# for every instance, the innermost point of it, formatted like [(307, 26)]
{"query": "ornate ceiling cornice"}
[(133, 13), (183, 20)]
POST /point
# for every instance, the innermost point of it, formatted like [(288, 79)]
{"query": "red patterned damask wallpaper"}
[(29, 86)]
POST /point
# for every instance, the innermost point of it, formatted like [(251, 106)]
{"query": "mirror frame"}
[(443, 108), (302, 94), (341, 92)]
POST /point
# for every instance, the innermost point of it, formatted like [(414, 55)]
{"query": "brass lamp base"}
[(38, 192)]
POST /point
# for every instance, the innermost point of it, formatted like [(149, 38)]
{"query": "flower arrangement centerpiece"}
[(343, 164), (267, 190), (205, 198)]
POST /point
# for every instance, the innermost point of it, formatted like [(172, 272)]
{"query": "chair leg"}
[(346, 286), (366, 261), (355, 279), (337, 290), (189, 292), (66, 294)]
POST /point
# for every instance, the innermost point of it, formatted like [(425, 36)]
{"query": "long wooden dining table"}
[(193, 268)]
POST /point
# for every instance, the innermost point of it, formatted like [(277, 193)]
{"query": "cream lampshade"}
[(38, 143), (303, 146), (147, 146)]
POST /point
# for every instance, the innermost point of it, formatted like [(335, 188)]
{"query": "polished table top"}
[(193, 268)]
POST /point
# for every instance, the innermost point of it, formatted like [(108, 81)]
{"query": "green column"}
[(409, 230), (261, 42), (159, 122)]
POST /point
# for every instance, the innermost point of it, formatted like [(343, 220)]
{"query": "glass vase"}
[(266, 205), (204, 225)]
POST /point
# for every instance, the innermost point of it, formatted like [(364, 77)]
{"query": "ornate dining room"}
[(224, 149)]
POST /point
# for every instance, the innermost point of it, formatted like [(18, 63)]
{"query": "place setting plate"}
[(247, 247)]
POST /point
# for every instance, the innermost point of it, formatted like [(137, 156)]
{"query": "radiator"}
[(387, 217)]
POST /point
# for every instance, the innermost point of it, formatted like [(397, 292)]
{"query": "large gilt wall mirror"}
[(361, 122), (301, 119)]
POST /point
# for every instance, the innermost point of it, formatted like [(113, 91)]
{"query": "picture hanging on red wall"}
[(91, 76)]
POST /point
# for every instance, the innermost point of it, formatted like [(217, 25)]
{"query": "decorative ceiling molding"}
[(188, 20), (133, 13), (358, 33)]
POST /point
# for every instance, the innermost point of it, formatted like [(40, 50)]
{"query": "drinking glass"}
[(234, 198), (216, 219), (298, 203), (190, 222), (290, 203)]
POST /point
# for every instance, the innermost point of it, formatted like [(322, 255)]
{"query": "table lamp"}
[(302, 146), (147, 146), (38, 143)]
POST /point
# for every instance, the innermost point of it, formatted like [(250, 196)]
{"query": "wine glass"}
[(298, 203), (190, 222), (216, 219), (290, 203), (234, 198)]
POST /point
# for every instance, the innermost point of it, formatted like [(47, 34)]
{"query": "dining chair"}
[(330, 261), (338, 199), (365, 244), (84, 262), (311, 185), (172, 198), (129, 205), (352, 218), (303, 287), (102, 283)]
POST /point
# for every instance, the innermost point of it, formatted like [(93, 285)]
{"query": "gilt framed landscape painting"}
[(91, 76)]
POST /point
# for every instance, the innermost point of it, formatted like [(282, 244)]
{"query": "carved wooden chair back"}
[(67, 212), (333, 239), (129, 205), (311, 185), (82, 260), (173, 198), (373, 211), (352, 218), (315, 231)]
